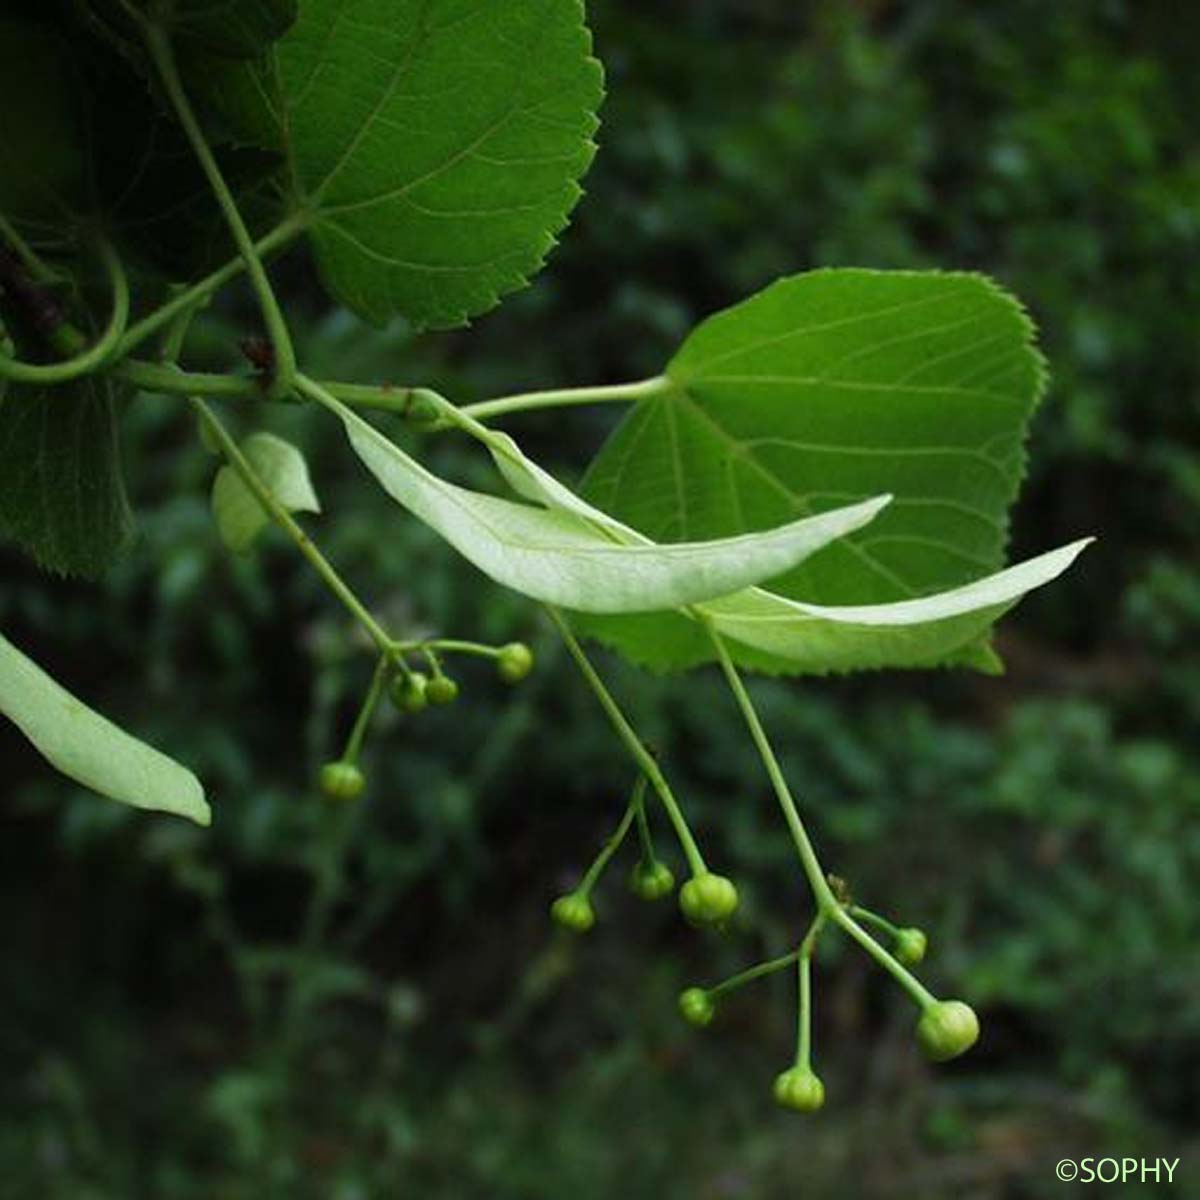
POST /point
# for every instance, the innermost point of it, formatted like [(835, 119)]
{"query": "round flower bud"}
[(708, 899), (910, 946), (441, 689), (341, 781), (651, 880), (696, 1007), (947, 1029), (574, 912), (408, 692), (800, 1089), (514, 662)]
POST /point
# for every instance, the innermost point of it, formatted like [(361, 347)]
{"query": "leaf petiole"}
[(567, 397)]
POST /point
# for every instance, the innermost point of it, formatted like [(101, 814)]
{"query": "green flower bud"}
[(651, 880), (696, 1007), (408, 692), (800, 1089), (341, 781), (441, 689), (911, 945), (947, 1029), (708, 899), (574, 912), (514, 662)]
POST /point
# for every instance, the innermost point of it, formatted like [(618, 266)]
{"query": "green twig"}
[(165, 379), (95, 356), (141, 331), (22, 249), (284, 367)]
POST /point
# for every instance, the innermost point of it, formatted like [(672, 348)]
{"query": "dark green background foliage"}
[(191, 1013)]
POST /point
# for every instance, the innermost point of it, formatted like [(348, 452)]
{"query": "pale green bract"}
[(768, 628), (89, 748), (822, 389), (281, 467), (561, 557), (436, 171)]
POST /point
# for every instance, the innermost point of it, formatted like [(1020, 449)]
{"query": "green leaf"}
[(822, 389), (562, 558), (89, 748), (62, 496), (437, 145), (239, 515), (228, 28), (239, 28), (42, 169)]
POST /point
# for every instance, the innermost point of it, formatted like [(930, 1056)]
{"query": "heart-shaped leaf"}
[(436, 145), (822, 389), (89, 748)]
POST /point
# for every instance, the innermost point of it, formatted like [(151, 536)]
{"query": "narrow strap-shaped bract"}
[(89, 748)]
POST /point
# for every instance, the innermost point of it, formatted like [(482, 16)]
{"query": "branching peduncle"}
[(822, 893), (828, 904), (284, 519), (641, 756), (159, 45), (87, 361)]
